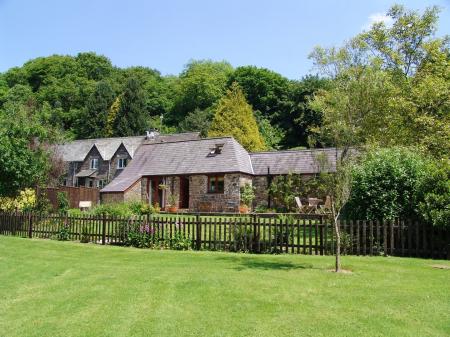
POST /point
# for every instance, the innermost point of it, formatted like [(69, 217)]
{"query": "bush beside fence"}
[(249, 233)]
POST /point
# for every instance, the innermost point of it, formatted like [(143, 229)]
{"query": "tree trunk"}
[(338, 246)]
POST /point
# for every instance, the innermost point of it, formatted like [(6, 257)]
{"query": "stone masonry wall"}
[(261, 190), (134, 192), (202, 201), (120, 154), (111, 198)]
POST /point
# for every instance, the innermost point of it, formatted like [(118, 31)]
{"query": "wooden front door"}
[(184, 192)]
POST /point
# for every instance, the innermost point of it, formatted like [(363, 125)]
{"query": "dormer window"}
[(217, 149), (122, 163), (94, 164)]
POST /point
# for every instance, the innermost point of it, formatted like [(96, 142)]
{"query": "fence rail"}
[(312, 235)]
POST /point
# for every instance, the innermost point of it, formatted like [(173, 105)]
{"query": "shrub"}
[(63, 233), (62, 201), (433, 194), (247, 194), (43, 205), (25, 201), (85, 238), (141, 236), (385, 183), (180, 241), (74, 212), (141, 208), (119, 209)]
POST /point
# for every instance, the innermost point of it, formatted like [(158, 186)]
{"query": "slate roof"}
[(78, 149), (295, 161), (183, 157)]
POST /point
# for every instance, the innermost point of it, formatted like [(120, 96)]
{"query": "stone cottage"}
[(95, 162), (204, 174)]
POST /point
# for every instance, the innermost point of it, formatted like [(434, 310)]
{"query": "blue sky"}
[(165, 35)]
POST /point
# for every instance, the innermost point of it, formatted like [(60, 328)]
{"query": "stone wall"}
[(202, 201), (121, 153), (261, 191), (173, 184), (134, 193), (111, 198)]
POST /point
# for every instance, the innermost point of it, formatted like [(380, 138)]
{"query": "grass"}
[(50, 288)]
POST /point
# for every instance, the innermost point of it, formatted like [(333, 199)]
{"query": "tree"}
[(95, 67), (111, 118), (337, 185), (131, 118), (380, 84), (23, 151), (265, 90), (198, 120), (93, 120), (301, 122), (200, 85), (234, 117)]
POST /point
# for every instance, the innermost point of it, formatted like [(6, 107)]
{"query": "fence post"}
[(30, 225), (104, 229), (198, 232)]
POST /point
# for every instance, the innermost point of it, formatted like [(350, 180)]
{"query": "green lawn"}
[(50, 288)]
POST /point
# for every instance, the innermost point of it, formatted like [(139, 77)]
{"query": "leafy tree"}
[(198, 120), (234, 117), (200, 85), (23, 153), (271, 134), (131, 118), (93, 120), (95, 67), (159, 96), (265, 90), (381, 79), (302, 121)]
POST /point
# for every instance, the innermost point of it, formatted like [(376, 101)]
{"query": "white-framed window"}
[(122, 163), (94, 163), (100, 183)]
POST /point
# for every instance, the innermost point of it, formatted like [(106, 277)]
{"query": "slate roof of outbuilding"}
[(78, 149), (183, 158), (295, 161)]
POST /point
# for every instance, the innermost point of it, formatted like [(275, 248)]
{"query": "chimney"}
[(151, 135)]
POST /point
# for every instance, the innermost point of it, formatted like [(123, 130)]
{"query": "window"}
[(217, 149), (94, 163), (100, 183), (216, 184), (122, 163)]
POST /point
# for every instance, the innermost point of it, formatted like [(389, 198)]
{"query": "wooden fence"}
[(251, 233), (74, 195)]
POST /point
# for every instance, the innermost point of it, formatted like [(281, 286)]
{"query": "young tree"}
[(234, 117), (337, 185), (131, 118)]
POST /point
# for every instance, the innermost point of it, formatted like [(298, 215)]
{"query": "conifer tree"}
[(111, 118), (94, 118), (131, 118), (234, 117)]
